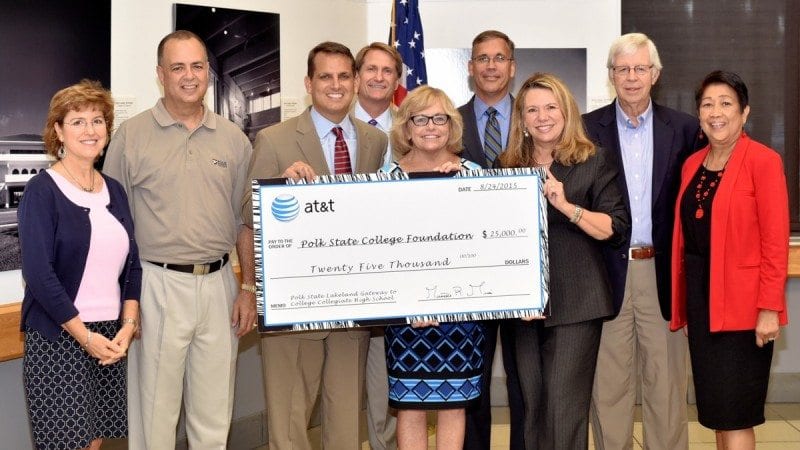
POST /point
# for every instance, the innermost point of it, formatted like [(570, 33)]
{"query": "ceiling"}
[(244, 45)]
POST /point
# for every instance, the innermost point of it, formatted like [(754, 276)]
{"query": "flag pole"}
[(393, 26)]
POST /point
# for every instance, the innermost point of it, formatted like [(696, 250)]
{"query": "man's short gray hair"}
[(630, 43)]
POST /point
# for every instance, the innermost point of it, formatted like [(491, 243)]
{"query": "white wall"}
[(11, 287), (786, 358)]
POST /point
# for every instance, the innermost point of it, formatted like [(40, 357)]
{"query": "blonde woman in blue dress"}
[(431, 366)]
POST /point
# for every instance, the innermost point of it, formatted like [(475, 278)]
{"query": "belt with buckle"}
[(195, 269), (641, 252)]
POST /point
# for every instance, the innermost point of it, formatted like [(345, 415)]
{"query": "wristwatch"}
[(248, 288)]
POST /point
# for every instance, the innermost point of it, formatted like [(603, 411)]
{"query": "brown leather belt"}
[(641, 252), (195, 269)]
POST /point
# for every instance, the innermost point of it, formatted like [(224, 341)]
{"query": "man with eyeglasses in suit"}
[(487, 118)]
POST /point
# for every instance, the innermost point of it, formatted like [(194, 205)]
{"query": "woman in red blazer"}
[(729, 263)]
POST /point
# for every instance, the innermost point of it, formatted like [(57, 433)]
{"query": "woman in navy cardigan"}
[(82, 280)]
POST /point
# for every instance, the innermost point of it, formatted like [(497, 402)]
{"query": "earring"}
[(525, 133), (61, 152)]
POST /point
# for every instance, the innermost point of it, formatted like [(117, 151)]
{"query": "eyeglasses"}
[(621, 71), (421, 120), (83, 124), (498, 59)]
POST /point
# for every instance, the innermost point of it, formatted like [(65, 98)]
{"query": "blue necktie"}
[(491, 137)]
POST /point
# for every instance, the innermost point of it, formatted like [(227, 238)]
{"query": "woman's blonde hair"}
[(573, 146), (417, 100)]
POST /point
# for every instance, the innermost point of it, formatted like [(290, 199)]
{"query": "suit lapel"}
[(472, 140), (663, 150), (561, 172), (687, 172), (309, 144), (363, 146), (609, 140)]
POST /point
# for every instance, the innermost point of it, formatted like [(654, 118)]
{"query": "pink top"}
[(98, 297)]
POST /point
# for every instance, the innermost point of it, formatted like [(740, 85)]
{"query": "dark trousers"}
[(479, 414), (556, 372)]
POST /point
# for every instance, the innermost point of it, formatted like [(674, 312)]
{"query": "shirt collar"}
[(624, 121), (503, 107), (324, 126), (384, 119), (165, 119)]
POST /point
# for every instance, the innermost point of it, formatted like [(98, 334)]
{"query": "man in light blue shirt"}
[(636, 145), (487, 118), (503, 116), (648, 143), (324, 128), (491, 67)]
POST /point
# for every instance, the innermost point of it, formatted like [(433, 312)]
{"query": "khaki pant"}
[(640, 330), (187, 352), (381, 423), (297, 369)]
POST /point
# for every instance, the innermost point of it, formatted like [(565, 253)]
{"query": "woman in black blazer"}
[(556, 355)]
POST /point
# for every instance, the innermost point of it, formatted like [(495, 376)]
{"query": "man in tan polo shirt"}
[(185, 171)]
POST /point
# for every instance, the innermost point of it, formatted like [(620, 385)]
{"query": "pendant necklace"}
[(84, 189)]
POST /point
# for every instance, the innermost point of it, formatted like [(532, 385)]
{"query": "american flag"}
[(406, 36)]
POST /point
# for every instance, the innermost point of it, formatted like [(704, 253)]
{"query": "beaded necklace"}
[(702, 191)]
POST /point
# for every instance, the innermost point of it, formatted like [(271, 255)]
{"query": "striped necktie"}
[(341, 156), (491, 137)]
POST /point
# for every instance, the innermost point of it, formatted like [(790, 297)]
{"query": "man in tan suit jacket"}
[(299, 366)]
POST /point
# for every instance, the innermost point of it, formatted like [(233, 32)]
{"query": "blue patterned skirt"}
[(434, 367)]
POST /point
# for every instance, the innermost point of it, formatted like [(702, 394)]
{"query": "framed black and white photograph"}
[(245, 64), (46, 46)]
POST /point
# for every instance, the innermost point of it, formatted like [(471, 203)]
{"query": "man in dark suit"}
[(487, 119), (323, 140), (649, 143)]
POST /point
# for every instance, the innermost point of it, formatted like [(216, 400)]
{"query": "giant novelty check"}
[(372, 249)]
